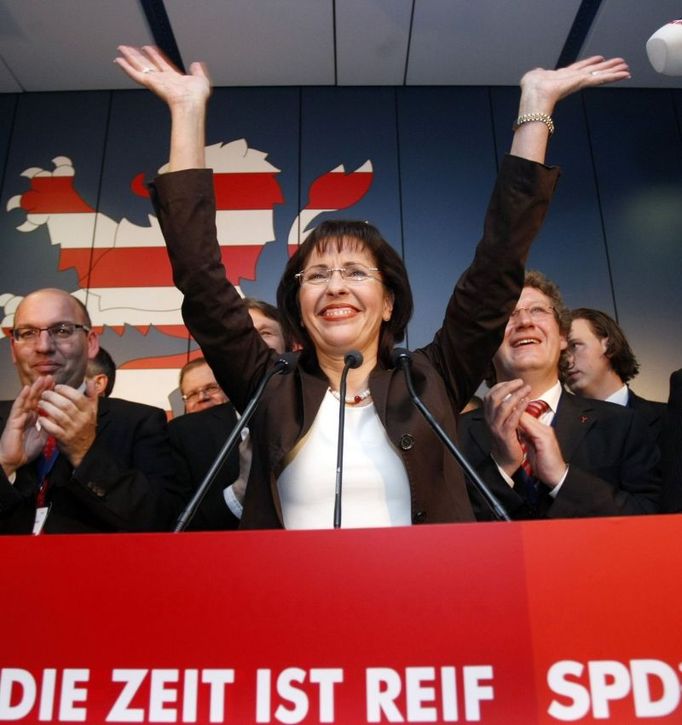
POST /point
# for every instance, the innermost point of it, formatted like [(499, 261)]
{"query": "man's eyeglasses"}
[(536, 312), (207, 390), (59, 332), (353, 273)]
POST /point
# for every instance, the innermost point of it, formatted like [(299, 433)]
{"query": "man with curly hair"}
[(544, 452)]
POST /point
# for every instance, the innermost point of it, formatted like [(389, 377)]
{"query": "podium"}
[(534, 622)]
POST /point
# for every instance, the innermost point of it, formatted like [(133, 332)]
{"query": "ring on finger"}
[(148, 70)]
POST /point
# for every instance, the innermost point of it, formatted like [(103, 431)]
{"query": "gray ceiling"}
[(55, 45)]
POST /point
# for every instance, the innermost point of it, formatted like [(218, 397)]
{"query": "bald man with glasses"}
[(70, 461)]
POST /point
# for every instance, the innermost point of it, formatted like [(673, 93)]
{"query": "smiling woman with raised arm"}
[(346, 288)]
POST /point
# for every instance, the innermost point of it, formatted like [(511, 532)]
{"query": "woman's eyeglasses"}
[(353, 273)]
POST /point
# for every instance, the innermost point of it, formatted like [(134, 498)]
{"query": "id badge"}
[(41, 518)]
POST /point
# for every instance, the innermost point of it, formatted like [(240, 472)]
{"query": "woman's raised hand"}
[(150, 68), (185, 94), (542, 89)]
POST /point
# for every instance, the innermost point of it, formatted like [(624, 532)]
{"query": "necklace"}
[(355, 399)]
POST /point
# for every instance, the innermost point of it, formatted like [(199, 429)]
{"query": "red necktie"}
[(535, 408), (49, 450)]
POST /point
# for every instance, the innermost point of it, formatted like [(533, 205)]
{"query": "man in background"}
[(601, 363), (101, 370), (198, 438), (71, 461), (198, 386)]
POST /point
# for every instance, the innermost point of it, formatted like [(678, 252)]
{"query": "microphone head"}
[(287, 362), (664, 49), (353, 359), (400, 356)]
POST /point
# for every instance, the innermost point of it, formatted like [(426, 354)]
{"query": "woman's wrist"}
[(533, 101)]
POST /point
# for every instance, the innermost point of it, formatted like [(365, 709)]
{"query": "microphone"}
[(664, 49), (285, 364), (402, 358), (352, 359)]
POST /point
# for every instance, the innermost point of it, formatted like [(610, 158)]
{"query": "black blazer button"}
[(406, 441), (418, 517)]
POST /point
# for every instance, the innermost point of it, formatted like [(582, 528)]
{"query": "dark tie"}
[(48, 456), (536, 408), (524, 476)]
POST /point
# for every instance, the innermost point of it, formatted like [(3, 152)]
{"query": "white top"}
[(375, 490)]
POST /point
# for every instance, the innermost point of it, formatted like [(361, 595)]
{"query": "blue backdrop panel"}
[(46, 126), (137, 146), (268, 118), (267, 121), (612, 238), (137, 143), (570, 248), (350, 126), (447, 170), (638, 158), (8, 103)]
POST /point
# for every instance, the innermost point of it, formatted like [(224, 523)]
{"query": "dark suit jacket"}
[(197, 439), (671, 447), (447, 371), (125, 482), (612, 461), (651, 410)]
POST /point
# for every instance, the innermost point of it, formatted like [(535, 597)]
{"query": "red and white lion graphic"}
[(123, 270)]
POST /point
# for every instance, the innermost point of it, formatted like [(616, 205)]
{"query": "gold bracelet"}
[(541, 117)]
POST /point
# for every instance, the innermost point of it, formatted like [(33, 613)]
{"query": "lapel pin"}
[(583, 419)]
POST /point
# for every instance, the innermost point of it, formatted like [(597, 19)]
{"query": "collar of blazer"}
[(573, 420), (103, 409), (651, 410)]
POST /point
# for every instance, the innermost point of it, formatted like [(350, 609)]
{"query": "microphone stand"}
[(285, 364), (352, 359), (403, 359)]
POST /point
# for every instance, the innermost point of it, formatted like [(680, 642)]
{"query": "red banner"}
[(544, 622)]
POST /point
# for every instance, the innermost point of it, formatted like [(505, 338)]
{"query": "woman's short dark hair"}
[(618, 350), (338, 233)]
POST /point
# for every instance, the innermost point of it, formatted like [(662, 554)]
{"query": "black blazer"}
[(124, 483), (196, 440), (612, 461), (652, 411)]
